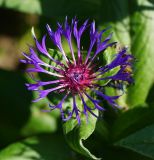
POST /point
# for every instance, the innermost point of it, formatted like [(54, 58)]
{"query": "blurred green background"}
[(27, 133)]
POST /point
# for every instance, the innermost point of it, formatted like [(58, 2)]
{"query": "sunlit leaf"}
[(51, 8), (133, 26), (142, 33), (44, 147), (23, 6), (77, 134), (39, 122)]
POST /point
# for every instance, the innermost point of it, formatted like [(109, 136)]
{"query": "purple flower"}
[(78, 76)]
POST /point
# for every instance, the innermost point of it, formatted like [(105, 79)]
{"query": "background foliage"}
[(26, 133)]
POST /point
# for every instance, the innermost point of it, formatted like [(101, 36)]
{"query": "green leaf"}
[(76, 134), (23, 6), (133, 26), (142, 32), (39, 122), (108, 56), (46, 147), (132, 120), (142, 141), (118, 19), (52, 8), (119, 153), (102, 128)]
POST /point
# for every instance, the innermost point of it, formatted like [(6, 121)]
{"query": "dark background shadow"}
[(15, 101)]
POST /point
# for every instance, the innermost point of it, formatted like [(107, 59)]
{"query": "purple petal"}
[(93, 37), (95, 102), (86, 108), (67, 32), (44, 93), (56, 38), (109, 99), (76, 110), (78, 34), (82, 28), (58, 106), (120, 75), (122, 58), (42, 47), (39, 84)]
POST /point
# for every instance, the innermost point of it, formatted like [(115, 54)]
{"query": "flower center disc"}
[(78, 77)]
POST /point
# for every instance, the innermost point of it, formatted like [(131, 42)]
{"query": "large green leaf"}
[(51, 8), (24, 6), (49, 147), (142, 32), (131, 121), (76, 134), (39, 122), (133, 26), (115, 14), (142, 141)]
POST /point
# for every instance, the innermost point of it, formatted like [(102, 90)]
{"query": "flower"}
[(78, 75)]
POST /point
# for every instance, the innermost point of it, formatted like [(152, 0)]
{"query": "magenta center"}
[(78, 77)]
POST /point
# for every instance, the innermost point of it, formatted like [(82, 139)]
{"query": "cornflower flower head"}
[(79, 75)]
